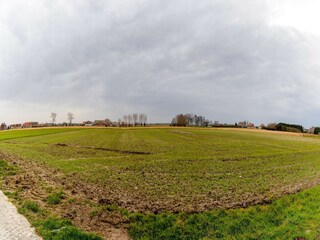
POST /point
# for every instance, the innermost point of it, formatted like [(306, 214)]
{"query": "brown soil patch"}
[(33, 182)]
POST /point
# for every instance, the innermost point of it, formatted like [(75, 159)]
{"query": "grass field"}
[(161, 183)]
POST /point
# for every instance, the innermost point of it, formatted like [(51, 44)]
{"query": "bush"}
[(316, 130)]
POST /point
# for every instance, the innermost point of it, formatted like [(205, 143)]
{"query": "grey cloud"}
[(218, 58)]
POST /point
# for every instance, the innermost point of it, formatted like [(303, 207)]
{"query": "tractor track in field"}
[(103, 149)]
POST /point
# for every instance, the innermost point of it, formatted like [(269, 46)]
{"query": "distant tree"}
[(145, 119), (181, 120), (141, 118), (135, 119), (130, 119), (200, 121), (125, 120), (70, 117), (107, 122), (174, 122), (316, 130), (196, 120), (53, 117), (205, 123), (190, 119), (289, 127)]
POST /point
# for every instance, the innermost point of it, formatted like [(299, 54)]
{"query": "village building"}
[(30, 125), (100, 123), (87, 123), (3, 126), (16, 126), (311, 130)]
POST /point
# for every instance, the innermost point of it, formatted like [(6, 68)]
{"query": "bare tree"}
[(125, 120), (145, 117), (70, 117), (107, 122), (189, 119), (53, 116), (182, 120), (141, 118), (135, 118), (130, 119)]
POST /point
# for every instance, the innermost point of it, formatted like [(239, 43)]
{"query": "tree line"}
[(134, 119), (189, 119), (286, 127)]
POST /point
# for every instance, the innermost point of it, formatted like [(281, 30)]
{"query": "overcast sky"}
[(257, 61)]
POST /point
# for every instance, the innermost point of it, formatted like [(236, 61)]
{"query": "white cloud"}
[(301, 15)]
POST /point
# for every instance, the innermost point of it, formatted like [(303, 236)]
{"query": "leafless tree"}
[(189, 119), (125, 120), (135, 119), (141, 118), (130, 119), (70, 117), (107, 122), (53, 116), (144, 119)]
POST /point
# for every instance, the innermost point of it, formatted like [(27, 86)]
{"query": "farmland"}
[(158, 182)]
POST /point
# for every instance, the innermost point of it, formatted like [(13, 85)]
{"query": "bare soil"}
[(79, 202)]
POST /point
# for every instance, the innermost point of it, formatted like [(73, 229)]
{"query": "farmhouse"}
[(311, 130), (242, 124), (16, 125), (30, 124), (87, 123), (3, 126), (100, 123)]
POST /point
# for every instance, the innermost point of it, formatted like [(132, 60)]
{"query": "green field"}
[(170, 182)]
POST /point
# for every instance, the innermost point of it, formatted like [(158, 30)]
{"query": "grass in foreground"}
[(52, 227), (291, 217)]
